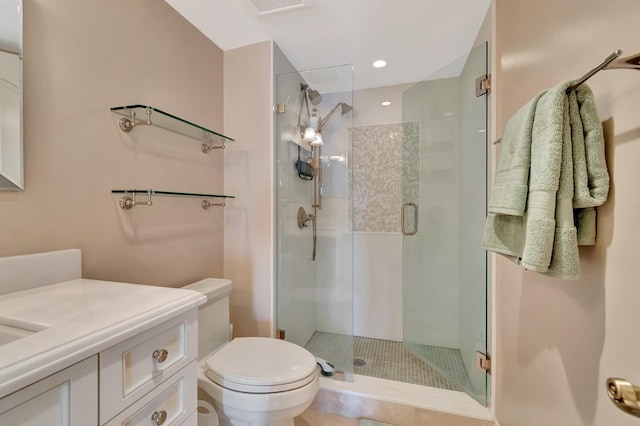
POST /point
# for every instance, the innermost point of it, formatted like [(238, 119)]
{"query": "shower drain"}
[(358, 362)]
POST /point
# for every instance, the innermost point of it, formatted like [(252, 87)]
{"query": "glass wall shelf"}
[(129, 199), (138, 115)]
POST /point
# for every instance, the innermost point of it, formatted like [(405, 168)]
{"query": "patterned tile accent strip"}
[(380, 156), (385, 359)]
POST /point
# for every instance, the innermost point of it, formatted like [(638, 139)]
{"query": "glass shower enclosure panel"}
[(314, 300), (444, 207)]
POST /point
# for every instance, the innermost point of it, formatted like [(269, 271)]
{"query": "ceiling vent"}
[(270, 6)]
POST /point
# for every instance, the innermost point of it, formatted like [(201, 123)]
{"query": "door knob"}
[(624, 395)]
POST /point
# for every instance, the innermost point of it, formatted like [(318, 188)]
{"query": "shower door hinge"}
[(280, 334), (281, 108), (483, 85), (483, 362)]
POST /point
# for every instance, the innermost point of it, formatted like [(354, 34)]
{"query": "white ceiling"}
[(416, 37)]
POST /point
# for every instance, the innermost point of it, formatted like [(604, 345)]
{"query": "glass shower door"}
[(444, 199), (314, 266)]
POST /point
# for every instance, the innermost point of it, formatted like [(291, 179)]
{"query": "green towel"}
[(589, 181), (590, 175), (585, 220), (591, 178), (528, 239), (510, 187), (567, 177), (551, 177)]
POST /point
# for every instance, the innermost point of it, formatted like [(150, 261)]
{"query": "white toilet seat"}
[(261, 365)]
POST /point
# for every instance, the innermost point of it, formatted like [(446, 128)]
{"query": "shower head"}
[(314, 96), (346, 108)]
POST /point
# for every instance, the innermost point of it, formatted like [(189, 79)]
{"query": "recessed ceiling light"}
[(386, 103), (380, 63)]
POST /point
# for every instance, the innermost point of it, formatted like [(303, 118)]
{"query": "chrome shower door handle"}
[(415, 219), (624, 395)]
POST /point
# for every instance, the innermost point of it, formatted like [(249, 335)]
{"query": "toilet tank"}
[(213, 315)]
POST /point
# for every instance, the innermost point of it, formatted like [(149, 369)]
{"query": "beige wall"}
[(248, 256), (558, 340), (80, 59)]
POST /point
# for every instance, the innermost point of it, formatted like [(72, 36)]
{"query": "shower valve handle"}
[(304, 218)]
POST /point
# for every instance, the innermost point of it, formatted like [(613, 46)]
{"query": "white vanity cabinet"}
[(82, 352), (68, 397), (147, 379)]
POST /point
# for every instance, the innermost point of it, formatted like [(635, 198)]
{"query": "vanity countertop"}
[(79, 318)]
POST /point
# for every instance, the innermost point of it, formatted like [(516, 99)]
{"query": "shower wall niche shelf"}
[(154, 117), (128, 200)]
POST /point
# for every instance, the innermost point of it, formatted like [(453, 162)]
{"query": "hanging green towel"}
[(551, 134), (567, 177), (587, 181), (510, 187), (590, 175), (528, 239), (591, 178)]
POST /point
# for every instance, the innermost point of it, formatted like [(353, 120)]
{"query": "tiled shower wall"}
[(378, 158)]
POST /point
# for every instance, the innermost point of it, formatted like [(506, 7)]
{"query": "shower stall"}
[(398, 286)]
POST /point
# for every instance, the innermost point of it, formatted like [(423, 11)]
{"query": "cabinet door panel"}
[(67, 398)]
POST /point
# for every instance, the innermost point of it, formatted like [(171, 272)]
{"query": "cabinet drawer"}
[(134, 367), (169, 404)]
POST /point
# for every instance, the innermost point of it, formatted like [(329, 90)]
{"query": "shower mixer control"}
[(304, 218)]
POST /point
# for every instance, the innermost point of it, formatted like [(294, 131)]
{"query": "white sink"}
[(12, 329)]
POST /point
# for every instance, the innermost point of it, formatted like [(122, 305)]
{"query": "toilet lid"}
[(261, 365)]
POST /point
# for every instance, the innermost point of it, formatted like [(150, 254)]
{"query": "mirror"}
[(11, 162)]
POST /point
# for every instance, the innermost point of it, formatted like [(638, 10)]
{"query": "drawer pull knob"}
[(160, 355), (159, 417)]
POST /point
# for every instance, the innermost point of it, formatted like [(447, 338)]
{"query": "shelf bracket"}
[(128, 201), (206, 147), (127, 124), (209, 203)]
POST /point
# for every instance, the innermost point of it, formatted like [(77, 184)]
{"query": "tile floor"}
[(389, 360)]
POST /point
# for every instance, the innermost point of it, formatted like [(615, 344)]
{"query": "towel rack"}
[(611, 62)]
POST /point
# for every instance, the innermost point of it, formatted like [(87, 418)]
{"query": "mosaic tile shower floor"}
[(390, 360)]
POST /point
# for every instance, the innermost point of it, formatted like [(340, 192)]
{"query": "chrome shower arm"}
[(325, 119), (303, 101)]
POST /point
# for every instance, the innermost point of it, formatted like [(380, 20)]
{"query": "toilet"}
[(247, 380)]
